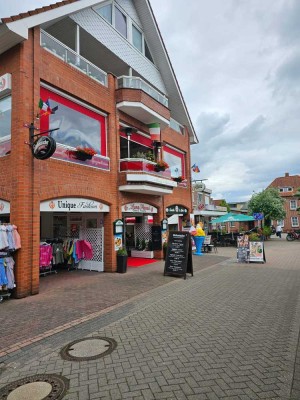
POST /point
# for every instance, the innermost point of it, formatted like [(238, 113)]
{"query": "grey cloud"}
[(286, 79), (210, 125)]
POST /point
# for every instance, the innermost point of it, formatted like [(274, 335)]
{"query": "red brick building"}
[(288, 186), (95, 74)]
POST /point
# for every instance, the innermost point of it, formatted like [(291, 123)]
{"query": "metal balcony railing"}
[(133, 82), (58, 49)]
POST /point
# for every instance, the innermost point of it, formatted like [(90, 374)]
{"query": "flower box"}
[(142, 253)]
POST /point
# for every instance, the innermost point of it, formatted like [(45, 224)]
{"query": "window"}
[(285, 189), (137, 38), (5, 125), (293, 205), (120, 22), (281, 223), (295, 222), (147, 52), (176, 126), (78, 126), (175, 159), (139, 146), (106, 12), (199, 197)]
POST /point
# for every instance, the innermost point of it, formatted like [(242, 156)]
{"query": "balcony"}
[(139, 176), (69, 56), (141, 101)]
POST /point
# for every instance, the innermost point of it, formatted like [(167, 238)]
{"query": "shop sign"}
[(176, 209), (5, 84), (139, 208), (4, 207), (44, 147), (73, 204)]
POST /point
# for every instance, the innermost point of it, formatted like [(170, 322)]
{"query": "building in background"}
[(97, 75), (288, 186)]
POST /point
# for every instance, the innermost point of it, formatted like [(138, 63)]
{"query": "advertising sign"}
[(44, 147), (73, 204), (256, 250)]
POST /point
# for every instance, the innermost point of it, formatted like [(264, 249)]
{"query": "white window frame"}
[(293, 202), (129, 24), (281, 223), (297, 223), (7, 137)]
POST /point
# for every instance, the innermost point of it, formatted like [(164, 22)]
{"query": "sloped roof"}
[(14, 30), (39, 10), (292, 181)]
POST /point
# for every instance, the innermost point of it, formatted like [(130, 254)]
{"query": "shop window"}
[(5, 125), (78, 126), (175, 159)]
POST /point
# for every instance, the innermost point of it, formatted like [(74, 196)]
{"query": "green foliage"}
[(147, 156), (269, 203), (254, 237), (267, 231), (137, 243), (224, 204), (122, 251), (143, 246)]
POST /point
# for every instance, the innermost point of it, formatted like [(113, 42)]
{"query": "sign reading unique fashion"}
[(179, 254), (44, 147), (73, 204)]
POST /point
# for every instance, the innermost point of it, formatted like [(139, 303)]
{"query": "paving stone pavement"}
[(229, 332)]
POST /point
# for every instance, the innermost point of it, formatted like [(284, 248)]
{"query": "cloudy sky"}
[(238, 66)]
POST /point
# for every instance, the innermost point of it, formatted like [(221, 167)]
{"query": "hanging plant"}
[(178, 179), (82, 153)]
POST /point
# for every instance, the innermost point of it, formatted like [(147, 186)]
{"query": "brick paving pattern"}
[(229, 332)]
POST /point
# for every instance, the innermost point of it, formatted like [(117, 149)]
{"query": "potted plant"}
[(161, 166), (122, 260)]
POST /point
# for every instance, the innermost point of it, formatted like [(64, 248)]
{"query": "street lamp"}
[(129, 131)]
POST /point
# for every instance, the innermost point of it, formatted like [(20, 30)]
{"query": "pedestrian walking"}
[(278, 230)]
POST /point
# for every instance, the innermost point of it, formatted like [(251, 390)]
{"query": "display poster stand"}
[(179, 259), (248, 251)]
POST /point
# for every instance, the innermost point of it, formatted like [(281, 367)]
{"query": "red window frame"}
[(177, 154), (44, 121)]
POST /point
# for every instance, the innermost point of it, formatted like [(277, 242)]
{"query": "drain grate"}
[(43, 387), (88, 349)]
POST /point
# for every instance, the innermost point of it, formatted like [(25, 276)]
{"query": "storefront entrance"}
[(66, 223)]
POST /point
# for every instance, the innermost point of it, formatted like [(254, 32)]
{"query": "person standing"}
[(278, 230)]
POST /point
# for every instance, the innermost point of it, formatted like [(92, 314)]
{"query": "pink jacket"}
[(84, 250)]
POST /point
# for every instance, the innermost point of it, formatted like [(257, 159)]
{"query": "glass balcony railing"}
[(57, 48), (133, 82)]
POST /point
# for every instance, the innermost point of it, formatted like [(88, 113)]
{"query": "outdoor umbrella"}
[(230, 217)]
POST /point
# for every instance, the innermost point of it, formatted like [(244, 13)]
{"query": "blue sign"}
[(258, 216)]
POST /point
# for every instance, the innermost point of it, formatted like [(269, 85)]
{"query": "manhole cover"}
[(88, 349), (36, 387)]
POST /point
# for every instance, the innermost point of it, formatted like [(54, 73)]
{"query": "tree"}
[(269, 203), (224, 204)]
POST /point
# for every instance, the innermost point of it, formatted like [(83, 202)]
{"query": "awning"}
[(173, 220)]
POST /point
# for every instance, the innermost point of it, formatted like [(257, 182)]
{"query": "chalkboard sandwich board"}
[(179, 259)]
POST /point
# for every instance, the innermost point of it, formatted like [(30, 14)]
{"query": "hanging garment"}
[(3, 277), (58, 253), (45, 255), (3, 238), (10, 237), (84, 250), (17, 237), (10, 272)]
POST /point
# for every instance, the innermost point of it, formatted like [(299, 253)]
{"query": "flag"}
[(45, 108), (195, 168)]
